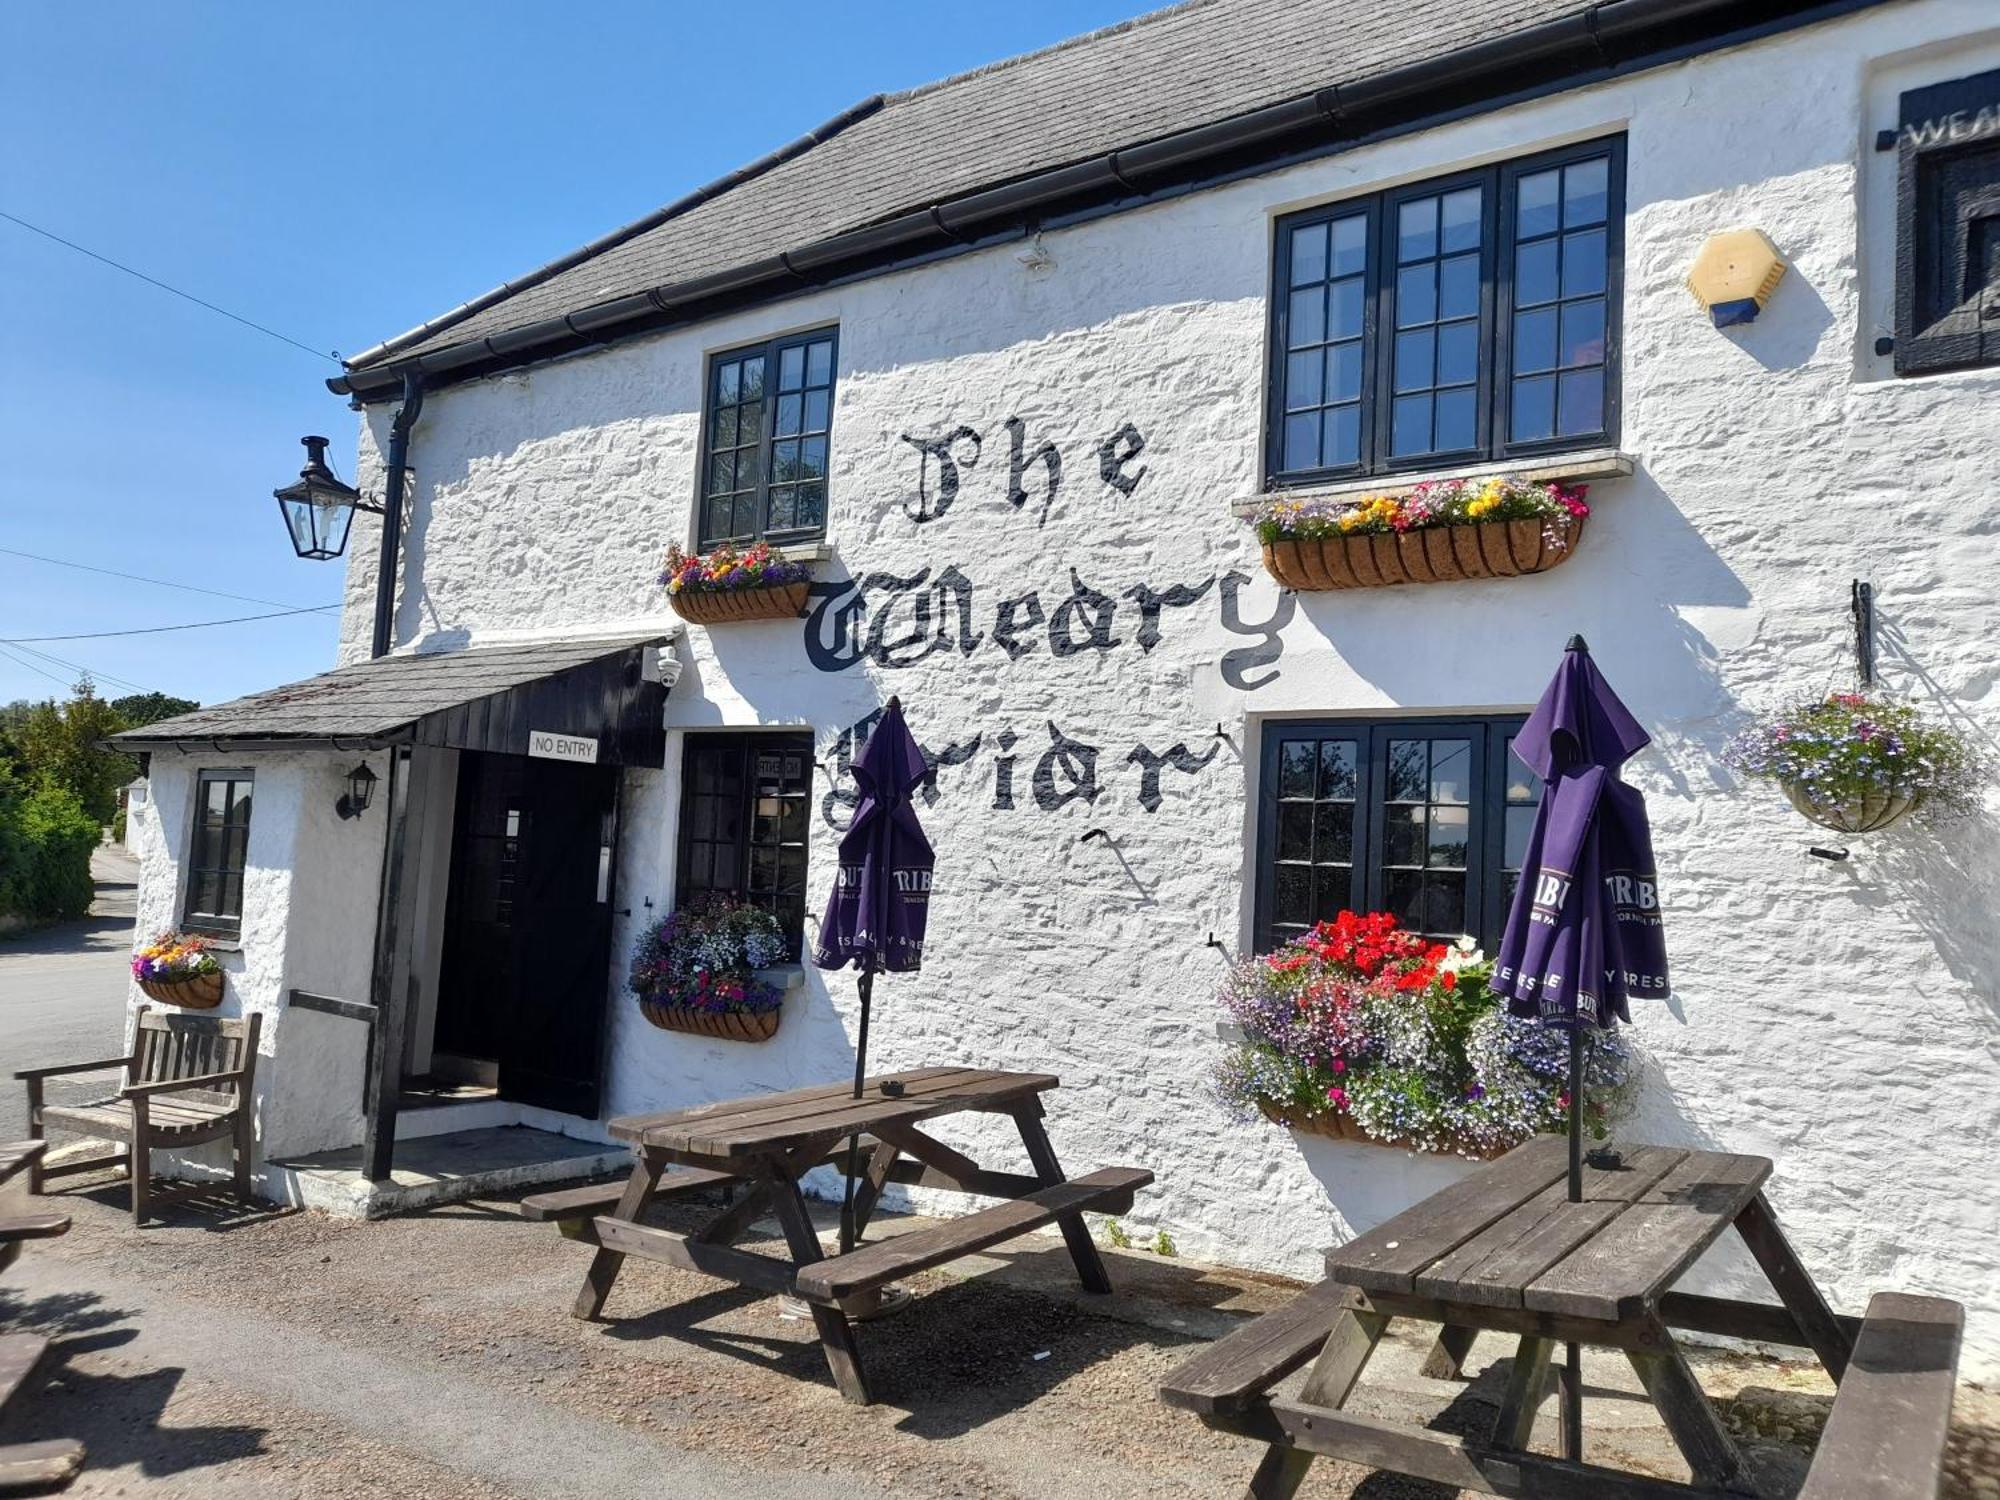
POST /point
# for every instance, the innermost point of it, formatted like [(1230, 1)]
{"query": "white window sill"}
[(1566, 468), (787, 977)]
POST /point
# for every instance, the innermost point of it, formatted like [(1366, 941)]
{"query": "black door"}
[(526, 975), (552, 1051)]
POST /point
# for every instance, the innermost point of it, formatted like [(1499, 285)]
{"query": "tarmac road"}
[(62, 991)]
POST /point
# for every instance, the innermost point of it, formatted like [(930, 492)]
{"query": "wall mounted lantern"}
[(1734, 275), (360, 792), (319, 509)]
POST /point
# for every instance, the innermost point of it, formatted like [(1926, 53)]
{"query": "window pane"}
[(819, 362), (753, 379), (1458, 353), (1409, 771), (1309, 254), (1295, 831), (1404, 840), (1444, 905), (1336, 886), (1307, 323), (1335, 824), (792, 368), (1585, 192), (1523, 785), (725, 382), (1402, 894), (1534, 409), (215, 803), (1337, 775), (1297, 762), (812, 458), (1535, 274), (722, 429), (1343, 372), (1535, 340), (790, 410), (722, 473), (1458, 287), (1416, 294), (1583, 333), (1538, 210), (784, 508), (1583, 263), (1411, 430), (819, 406), (1416, 229), (1347, 299), (1293, 895), (1302, 441), (1343, 437), (1580, 407), (1450, 831), (1414, 354), (784, 462), (1461, 219), (1454, 423), (1350, 246), (1451, 766), (1302, 379), (1520, 822)]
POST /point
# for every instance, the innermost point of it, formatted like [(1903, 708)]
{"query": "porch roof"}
[(479, 698)]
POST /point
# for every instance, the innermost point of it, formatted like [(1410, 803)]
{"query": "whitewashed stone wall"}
[(1844, 1019)]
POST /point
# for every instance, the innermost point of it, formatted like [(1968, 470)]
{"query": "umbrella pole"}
[(866, 986), (1572, 1381)]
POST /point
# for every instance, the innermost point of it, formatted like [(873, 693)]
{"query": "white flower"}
[(1462, 954)]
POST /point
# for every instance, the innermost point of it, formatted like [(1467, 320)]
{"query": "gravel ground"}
[(287, 1354)]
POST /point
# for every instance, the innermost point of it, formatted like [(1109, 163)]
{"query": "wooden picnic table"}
[(17, 1155), (1505, 1250), (765, 1144)]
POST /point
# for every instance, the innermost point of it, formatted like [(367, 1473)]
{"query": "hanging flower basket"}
[(1446, 532), (1335, 1127), (726, 585), (1436, 554), (728, 1025), (202, 992), (726, 606), (1861, 812)]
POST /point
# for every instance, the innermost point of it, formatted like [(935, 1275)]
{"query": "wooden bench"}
[(1230, 1374), (1885, 1438), (33, 1465), (600, 1198), (187, 1080), (1107, 1190)]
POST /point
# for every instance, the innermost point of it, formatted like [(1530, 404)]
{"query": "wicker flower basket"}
[(725, 606), (1332, 1126), (728, 1025), (202, 992), (1431, 554), (1862, 814)]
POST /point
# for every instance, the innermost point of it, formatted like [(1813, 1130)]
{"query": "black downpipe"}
[(392, 510)]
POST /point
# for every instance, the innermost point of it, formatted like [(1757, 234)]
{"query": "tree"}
[(60, 746), (139, 709)]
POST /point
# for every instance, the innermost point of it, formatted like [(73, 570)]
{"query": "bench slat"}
[(588, 1202), (1229, 1374), (1886, 1436), (51, 1463), (1108, 1188), (34, 1226)]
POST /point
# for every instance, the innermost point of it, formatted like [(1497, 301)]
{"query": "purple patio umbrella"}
[(1584, 933), (880, 904)]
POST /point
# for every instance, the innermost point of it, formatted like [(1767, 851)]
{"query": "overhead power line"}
[(165, 583), (16, 654), (103, 635), (163, 286)]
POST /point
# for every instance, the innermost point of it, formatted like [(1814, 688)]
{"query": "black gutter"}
[(1604, 41), (625, 232), (390, 563)]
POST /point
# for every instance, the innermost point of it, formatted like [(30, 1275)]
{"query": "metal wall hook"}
[(1817, 852), (1094, 833), (1214, 941)]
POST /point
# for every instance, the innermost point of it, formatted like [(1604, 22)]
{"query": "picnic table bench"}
[(54, 1462), (765, 1144), (1505, 1250)]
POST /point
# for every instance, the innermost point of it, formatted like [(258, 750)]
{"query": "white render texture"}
[(1842, 1018)]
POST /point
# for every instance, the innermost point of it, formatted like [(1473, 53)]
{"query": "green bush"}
[(118, 826), (45, 843)]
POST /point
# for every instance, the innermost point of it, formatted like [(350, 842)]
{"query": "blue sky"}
[(337, 173)]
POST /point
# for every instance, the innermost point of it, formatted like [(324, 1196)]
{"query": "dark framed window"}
[(1471, 317), (1424, 818), (217, 853), (1948, 226), (745, 804), (766, 420)]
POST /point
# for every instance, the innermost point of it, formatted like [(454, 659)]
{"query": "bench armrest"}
[(172, 1085), (23, 1075)]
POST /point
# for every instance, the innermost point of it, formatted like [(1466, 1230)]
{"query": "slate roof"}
[(378, 702), (1191, 65)]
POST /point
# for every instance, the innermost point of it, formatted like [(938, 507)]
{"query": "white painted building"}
[(1074, 254)]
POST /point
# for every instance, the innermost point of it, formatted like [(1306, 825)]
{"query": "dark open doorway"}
[(524, 977)]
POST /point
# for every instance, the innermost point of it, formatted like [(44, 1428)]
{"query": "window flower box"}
[(179, 970), (1361, 1031), (1857, 762), (725, 586), (695, 971), (1448, 532)]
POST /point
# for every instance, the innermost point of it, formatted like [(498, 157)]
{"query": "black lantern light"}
[(360, 792), (319, 509)]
